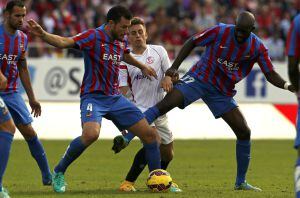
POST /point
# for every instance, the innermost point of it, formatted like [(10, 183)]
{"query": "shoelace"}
[(60, 178)]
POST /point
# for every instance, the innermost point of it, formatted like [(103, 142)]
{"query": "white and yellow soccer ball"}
[(159, 180)]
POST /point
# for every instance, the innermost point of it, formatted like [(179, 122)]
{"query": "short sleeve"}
[(206, 37), (166, 63), (264, 60), (86, 39), (23, 45)]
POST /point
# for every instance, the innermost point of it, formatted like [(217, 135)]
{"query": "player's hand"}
[(35, 28), (149, 71), (167, 83), (173, 73), (36, 109)]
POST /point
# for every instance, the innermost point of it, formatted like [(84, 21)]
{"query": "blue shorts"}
[(4, 113), (193, 89), (297, 140), (17, 108), (116, 108)]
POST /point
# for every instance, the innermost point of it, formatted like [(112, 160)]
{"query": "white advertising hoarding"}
[(60, 79)]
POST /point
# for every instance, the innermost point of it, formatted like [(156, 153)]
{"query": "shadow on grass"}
[(75, 193)]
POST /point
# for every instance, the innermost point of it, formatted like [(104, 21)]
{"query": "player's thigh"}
[(163, 130), (18, 109), (236, 120), (125, 114)]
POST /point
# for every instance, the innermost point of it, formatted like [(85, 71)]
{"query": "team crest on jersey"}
[(150, 60)]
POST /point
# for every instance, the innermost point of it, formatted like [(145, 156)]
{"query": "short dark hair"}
[(11, 4), (117, 12), (137, 21)]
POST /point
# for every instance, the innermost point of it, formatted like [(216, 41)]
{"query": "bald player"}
[(231, 51)]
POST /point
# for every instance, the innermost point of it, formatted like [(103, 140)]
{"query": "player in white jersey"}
[(145, 93)]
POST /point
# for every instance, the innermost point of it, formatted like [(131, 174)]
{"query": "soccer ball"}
[(159, 180)]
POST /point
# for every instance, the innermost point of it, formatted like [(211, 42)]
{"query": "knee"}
[(244, 134), (12, 128), (150, 136), (8, 126), (90, 136), (27, 131)]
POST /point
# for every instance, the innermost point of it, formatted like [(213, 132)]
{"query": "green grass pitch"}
[(202, 168)]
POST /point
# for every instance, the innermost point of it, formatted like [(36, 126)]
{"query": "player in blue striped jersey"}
[(293, 53)]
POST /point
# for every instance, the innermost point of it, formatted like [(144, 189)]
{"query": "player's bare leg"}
[(90, 134), (37, 151), (238, 124)]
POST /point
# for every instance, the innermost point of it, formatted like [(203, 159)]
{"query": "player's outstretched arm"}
[(293, 71), (52, 39), (275, 79), (146, 70), (183, 53)]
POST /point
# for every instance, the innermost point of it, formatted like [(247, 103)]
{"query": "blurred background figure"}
[(163, 19)]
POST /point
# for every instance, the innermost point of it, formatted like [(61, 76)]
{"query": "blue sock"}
[(243, 159), (151, 114), (38, 153), (297, 178), (5, 143), (73, 151), (152, 153), (129, 136)]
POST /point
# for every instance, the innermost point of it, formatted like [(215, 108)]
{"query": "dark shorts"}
[(193, 89), (17, 108), (4, 113), (116, 108)]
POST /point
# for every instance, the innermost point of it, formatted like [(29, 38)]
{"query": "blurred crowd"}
[(169, 22)]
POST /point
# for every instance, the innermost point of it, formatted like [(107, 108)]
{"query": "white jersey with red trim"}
[(145, 92)]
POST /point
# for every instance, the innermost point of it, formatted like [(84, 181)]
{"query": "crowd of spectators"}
[(169, 22)]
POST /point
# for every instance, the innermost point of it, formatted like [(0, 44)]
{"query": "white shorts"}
[(162, 127)]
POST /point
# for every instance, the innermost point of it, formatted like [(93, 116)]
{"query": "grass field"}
[(202, 168)]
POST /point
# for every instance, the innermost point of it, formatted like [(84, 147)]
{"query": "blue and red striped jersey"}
[(293, 39), (12, 49), (102, 57), (225, 62)]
